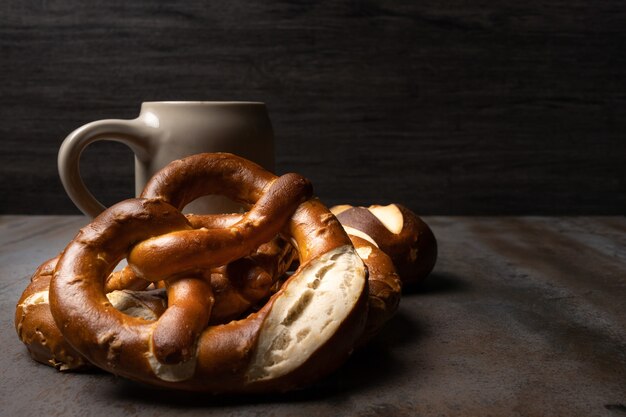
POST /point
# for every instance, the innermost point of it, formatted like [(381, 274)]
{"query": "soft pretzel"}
[(225, 292), (385, 288), (398, 232), (305, 330), (237, 287), (36, 328)]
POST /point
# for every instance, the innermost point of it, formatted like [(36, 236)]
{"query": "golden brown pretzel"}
[(236, 287), (36, 328), (398, 232), (385, 287), (306, 329), (270, 260), (188, 246)]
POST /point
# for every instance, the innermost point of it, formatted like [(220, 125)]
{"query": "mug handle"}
[(132, 133)]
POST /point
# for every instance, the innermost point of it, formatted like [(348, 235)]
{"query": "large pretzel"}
[(306, 329), (237, 287), (35, 325), (398, 249)]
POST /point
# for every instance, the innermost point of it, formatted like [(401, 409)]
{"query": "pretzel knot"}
[(304, 331)]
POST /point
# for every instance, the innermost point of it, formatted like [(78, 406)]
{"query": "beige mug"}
[(170, 130)]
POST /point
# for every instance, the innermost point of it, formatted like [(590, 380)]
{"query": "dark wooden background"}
[(450, 107)]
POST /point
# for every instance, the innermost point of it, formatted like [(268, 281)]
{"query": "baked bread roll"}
[(398, 232)]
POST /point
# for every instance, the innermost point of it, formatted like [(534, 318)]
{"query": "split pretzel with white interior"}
[(307, 328)]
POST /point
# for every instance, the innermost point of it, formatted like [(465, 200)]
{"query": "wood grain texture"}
[(448, 107)]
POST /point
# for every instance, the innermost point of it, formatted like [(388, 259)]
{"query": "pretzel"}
[(36, 328), (238, 286), (234, 289), (398, 232), (303, 332), (231, 290), (385, 287)]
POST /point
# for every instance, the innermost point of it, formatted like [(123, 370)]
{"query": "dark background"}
[(450, 107)]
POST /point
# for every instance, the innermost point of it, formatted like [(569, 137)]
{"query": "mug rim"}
[(204, 103)]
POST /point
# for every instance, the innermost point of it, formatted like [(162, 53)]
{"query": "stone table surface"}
[(522, 316)]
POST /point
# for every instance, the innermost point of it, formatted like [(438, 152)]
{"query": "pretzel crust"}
[(397, 231), (35, 325), (242, 355), (385, 287), (37, 329)]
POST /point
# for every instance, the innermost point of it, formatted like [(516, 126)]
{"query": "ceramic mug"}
[(170, 130)]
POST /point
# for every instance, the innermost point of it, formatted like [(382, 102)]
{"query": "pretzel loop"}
[(188, 248), (287, 343)]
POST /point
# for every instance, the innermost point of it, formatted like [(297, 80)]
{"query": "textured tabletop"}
[(522, 316)]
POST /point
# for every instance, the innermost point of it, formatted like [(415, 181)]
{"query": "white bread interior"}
[(315, 302), (390, 216)]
